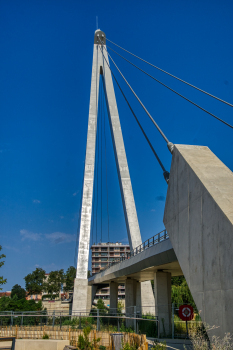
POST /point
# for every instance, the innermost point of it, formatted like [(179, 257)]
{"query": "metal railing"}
[(159, 237)]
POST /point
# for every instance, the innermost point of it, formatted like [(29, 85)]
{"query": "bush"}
[(45, 336), (159, 345)]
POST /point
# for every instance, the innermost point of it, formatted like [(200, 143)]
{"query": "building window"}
[(96, 254), (103, 264), (104, 249), (104, 254), (104, 259)]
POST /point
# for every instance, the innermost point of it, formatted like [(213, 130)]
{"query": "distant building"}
[(5, 294), (102, 255)]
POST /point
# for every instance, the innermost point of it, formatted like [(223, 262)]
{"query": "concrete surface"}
[(113, 296), (142, 266), (199, 220), (162, 290), (38, 344), (82, 297)]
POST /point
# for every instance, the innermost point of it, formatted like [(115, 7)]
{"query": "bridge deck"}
[(142, 266)]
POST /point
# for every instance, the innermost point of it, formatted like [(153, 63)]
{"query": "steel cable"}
[(169, 144), (183, 81), (165, 173), (195, 104)]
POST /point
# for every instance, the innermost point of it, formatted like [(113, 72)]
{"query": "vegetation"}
[(54, 283), (45, 336), (15, 304), (200, 340), (159, 345), (83, 340), (2, 280), (69, 279), (18, 291), (181, 293), (100, 305), (34, 282)]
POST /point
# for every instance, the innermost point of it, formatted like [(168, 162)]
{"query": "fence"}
[(98, 320), (71, 335)]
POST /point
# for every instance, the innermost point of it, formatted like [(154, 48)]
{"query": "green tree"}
[(69, 279), (9, 304), (2, 280), (54, 283), (34, 281), (101, 305), (180, 292), (18, 291)]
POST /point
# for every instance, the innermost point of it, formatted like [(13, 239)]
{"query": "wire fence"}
[(99, 320), (106, 320)]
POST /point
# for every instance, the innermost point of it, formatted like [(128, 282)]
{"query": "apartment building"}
[(102, 255)]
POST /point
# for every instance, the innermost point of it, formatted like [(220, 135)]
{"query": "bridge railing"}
[(159, 237)]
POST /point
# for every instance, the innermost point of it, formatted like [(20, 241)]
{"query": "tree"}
[(18, 291), (2, 281), (54, 283), (180, 292), (9, 304), (69, 279), (34, 281)]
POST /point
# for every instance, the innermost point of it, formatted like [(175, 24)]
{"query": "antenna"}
[(96, 22)]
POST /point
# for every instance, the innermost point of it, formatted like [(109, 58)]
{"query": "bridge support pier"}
[(113, 296), (130, 301), (162, 288), (82, 296)]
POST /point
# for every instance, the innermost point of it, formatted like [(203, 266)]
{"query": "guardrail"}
[(159, 237)]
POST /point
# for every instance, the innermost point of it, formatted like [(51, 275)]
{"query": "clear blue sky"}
[(45, 75)]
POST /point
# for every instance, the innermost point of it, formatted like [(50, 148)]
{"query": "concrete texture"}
[(37, 344), (199, 220), (131, 219), (80, 301), (130, 301), (82, 297), (142, 267), (113, 296), (130, 212), (162, 290)]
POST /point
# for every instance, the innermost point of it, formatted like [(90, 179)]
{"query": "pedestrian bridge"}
[(142, 262)]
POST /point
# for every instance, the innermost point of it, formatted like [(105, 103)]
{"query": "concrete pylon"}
[(99, 66), (199, 220)]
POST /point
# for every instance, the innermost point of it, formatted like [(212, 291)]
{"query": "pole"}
[(98, 320), (187, 333), (173, 320)]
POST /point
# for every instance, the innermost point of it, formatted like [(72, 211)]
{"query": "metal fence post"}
[(135, 315), (53, 318), (22, 319), (173, 320), (12, 318), (98, 320)]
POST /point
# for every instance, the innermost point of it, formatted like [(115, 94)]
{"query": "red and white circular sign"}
[(186, 312)]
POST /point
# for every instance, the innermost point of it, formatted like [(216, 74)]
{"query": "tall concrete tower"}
[(82, 296)]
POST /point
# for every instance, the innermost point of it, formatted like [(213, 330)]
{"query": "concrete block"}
[(82, 297), (201, 230), (162, 290)]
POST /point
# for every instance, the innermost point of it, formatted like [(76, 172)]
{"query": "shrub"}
[(45, 336), (159, 345)]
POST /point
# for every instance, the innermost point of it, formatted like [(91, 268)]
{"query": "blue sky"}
[(46, 60)]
